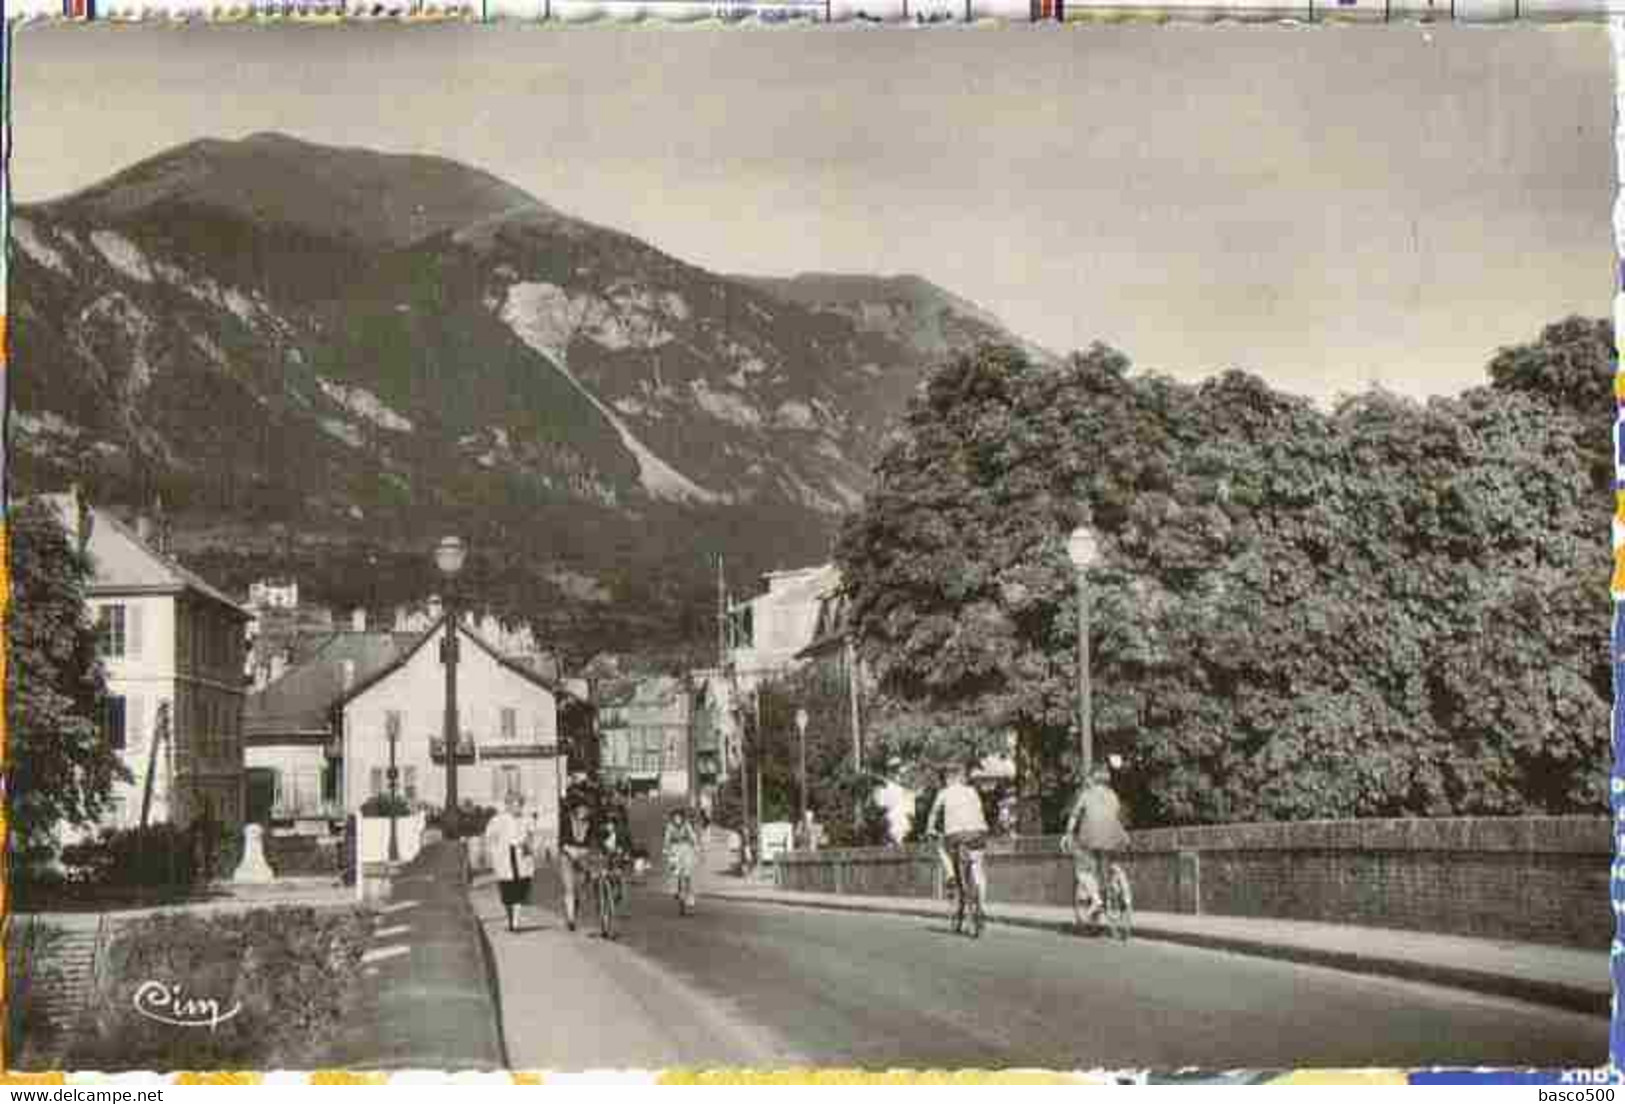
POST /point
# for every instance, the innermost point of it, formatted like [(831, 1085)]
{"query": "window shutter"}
[(115, 722)]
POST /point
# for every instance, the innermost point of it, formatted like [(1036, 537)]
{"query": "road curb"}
[(1557, 994)]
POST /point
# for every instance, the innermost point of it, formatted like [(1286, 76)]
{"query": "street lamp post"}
[(801, 727), (1082, 550), (392, 729), (448, 557)]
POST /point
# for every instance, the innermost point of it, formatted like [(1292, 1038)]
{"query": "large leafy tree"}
[(1388, 608), (60, 768)]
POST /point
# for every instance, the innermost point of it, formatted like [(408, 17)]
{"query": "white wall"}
[(484, 688), (145, 676)]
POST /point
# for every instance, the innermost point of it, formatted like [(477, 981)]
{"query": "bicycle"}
[(968, 896), (606, 877), (1114, 901), (682, 879)]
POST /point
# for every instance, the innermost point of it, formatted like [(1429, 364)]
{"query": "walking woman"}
[(508, 842)]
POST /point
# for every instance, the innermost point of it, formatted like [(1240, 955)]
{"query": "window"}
[(110, 631), (510, 782), (113, 722), (510, 725), (409, 783), (375, 780)]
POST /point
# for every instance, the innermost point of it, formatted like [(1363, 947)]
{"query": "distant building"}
[(173, 648), (766, 633), (645, 727)]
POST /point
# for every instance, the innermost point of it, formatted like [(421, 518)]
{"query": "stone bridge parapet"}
[(1533, 879)]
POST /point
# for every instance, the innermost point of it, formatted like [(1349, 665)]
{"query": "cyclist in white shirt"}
[(964, 825)]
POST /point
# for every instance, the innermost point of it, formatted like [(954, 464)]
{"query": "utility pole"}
[(852, 686)]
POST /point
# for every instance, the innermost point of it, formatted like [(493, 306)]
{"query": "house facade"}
[(290, 728), (507, 712), (645, 728), (173, 648)]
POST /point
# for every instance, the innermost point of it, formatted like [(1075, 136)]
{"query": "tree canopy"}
[(1385, 608), (60, 768)]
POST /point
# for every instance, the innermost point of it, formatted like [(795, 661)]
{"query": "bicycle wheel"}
[(973, 883), (606, 908), (1082, 904), (1119, 903)]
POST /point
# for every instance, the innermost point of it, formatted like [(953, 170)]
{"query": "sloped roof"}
[(301, 701), (362, 685), (123, 563)]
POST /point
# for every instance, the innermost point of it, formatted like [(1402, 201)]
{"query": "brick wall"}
[(1535, 879)]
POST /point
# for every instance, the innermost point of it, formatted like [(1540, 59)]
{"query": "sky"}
[(1328, 207)]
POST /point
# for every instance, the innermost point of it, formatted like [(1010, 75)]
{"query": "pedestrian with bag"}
[(508, 842)]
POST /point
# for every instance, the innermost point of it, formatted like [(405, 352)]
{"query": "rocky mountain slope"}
[(321, 356)]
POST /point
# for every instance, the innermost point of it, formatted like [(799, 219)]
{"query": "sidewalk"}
[(427, 1001), (1566, 977), (572, 1001)]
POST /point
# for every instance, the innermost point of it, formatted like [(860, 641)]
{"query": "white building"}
[(508, 714), (172, 647), (768, 631)]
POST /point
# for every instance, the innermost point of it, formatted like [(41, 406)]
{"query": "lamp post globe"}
[(449, 555), (1082, 548)]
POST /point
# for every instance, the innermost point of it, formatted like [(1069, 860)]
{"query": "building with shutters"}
[(173, 647), (509, 715), (291, 731), (645, 729)]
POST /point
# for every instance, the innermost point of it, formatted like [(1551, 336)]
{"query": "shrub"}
[(471, 818), (291, 973), (386, 805), (157, 855)]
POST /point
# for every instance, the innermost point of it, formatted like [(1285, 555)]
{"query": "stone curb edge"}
[(1572, 998)]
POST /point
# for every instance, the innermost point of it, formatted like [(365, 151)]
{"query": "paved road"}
[(743, 984)]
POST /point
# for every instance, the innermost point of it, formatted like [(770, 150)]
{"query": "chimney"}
[(358, 620), (161, 526), (81, 519)]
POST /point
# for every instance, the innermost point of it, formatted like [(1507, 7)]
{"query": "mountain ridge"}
[(466, 356)]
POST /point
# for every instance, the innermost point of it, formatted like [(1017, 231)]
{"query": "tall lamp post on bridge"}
[(1083, 551), (801, 727), (448, 557)]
